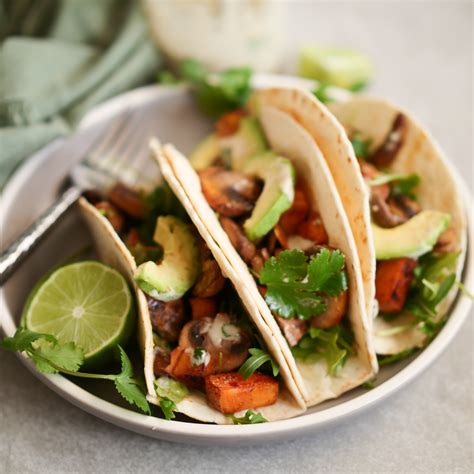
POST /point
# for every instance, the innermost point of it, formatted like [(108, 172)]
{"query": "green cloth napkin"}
[(58, 59)]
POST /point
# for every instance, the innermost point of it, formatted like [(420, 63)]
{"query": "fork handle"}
[(27, 241)]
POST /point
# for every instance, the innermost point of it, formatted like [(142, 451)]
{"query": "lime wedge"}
[(87, 303)]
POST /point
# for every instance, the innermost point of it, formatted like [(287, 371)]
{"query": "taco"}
[(194, 334), (417, 220), (266, 196)]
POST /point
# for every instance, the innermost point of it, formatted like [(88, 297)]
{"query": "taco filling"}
[(203, 339), (416, 247), (264, 208)]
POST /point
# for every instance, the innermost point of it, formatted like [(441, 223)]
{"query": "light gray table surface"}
[(423, 54)]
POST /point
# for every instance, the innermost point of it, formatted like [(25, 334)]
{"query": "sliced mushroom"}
[(370, 172), (226, 343), (245, 248), (230, 193), (335, 311), (194, 332), (210, 281), (167, 317), (293, 329), (446, 242), (409, 207), (127, 200), (387, 151), (385, 214)]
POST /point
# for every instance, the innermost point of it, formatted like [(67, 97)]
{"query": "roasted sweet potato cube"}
[(230, 392), (182, 369), (392, 283), (295, 214), (313, 229), (203, 307)]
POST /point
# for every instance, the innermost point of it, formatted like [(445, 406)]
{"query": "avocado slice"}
[(413, 238), (248, 141), (205, 152), (277, 195), (178, 270), (336, 66)]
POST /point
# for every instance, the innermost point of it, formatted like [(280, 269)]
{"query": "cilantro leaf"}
[(321, 93), (62, 356), (295, 286), (22, 340), (361, 146), (334, 345), (251, 417), (128, 387), (168, 408), (405, 186), (257, 359), (52, 357), (325, 272), (218, 93)]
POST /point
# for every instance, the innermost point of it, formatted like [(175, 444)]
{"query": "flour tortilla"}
[(373, 118), (287, 137), (112, 251), (332, 141)]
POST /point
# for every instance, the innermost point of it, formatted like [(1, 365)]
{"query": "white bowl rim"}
[(223, 434)]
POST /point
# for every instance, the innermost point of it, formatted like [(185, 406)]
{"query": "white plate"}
[(175, 119)]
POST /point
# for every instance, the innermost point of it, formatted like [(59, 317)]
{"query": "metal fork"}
[(117, 154)]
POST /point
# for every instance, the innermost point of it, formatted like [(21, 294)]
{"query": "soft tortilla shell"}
[(331, 139), (285, 407), (112, 251), (312, 379), (373, 118)]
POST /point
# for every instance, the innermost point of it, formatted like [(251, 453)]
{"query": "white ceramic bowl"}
[(33, 188)]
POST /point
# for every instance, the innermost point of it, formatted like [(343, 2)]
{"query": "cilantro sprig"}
[(257, 359), (334, 345), (296, 285), (251, 417), (52, 357), (217, 93)]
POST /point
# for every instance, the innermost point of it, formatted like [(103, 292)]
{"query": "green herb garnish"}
[(334, 345), (250, 418), (168, 408), (257, 359), (167, 78), (361, 146), (433, 279), (295, 284), (402, 184), (198, 357), (218, 93), (370, 384), (52, 357), (390, 359), (321, 93)]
